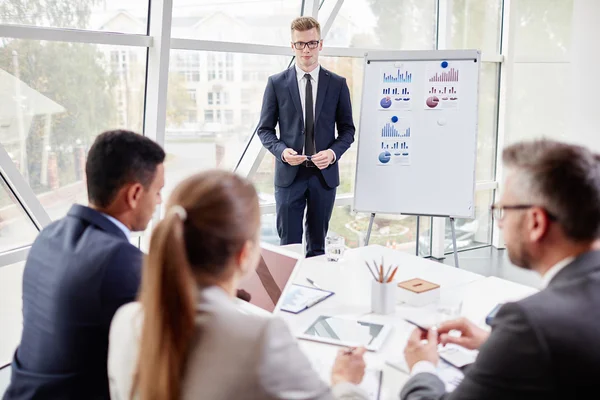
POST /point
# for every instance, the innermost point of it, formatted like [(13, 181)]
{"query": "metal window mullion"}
[(73, 35), (22, 191), (157, 74), (14, 256)]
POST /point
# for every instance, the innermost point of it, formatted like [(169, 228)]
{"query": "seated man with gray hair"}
[(544, 346)]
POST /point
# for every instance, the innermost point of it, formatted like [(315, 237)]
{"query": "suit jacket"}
[(542, 347), (281, 104), (234, 355), (79, 271)]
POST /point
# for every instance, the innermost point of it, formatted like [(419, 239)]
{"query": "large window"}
[(219, 139), (256, 21), (473, 232), (382, 24), (59, 97), (474, 24), (543, 28), (123, 16)]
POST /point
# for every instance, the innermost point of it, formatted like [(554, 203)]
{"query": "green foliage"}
[(74, 75)]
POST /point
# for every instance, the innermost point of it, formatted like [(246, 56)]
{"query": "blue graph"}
[(404, 77), (404, 91), (390, 130), (394, 146)]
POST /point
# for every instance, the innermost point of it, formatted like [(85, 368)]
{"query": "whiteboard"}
[(417, 141)]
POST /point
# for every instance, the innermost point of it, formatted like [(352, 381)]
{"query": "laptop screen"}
[(273, 273)]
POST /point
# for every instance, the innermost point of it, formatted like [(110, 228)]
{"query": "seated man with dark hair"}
[(81, 269)]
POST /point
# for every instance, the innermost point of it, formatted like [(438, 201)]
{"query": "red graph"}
[(450, 76), (444, 90)]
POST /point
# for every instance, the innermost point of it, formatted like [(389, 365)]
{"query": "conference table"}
[(350, 280)]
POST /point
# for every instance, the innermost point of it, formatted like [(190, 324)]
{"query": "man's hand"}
[(291, 157), (323, 158), (349, 366), (416, 350), (472, 336)]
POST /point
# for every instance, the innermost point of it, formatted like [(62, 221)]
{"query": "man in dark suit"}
[(545, 346), (308, 102), (81, 269)]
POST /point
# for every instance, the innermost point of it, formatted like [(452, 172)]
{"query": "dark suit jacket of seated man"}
[(80, 270), (305, 186)]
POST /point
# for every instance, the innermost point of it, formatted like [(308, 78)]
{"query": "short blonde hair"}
[(302, 24)]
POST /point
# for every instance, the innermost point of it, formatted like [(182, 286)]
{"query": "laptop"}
[(276, 270)]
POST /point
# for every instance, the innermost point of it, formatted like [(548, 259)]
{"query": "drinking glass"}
[(334, 247)]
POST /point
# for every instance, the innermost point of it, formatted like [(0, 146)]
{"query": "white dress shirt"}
[(119, 225), (314, 75), (426, 366)]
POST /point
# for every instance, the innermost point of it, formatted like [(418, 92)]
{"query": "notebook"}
[(298, 298)]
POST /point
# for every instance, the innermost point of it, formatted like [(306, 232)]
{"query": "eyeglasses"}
[(498, 211), (313, 44)]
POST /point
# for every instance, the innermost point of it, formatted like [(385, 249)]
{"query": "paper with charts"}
[(395, 90), (393, 136), (299, 297), (441, 86)]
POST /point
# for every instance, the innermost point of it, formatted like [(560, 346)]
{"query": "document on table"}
[(298, 298)]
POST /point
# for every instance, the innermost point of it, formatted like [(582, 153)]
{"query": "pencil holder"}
[(383, 297)]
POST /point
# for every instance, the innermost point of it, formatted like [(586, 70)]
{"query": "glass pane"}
[(11, 315), (16, 229), (382, 24), (543, 27), (60, 96), (487, 122), (211, 129), (352, 69), (124, 16), (393, 231), (534, 111), (475, 24), (258, 21), (473, 232)]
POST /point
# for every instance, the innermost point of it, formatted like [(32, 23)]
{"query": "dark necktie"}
[(309, 138)]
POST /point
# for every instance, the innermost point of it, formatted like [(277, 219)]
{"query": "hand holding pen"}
[(349, 366)]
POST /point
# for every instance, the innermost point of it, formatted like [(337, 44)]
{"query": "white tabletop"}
[(351, 281)]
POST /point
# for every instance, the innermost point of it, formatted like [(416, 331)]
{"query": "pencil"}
[(387, 273), (381, 273), (392, 276), (369, 268)]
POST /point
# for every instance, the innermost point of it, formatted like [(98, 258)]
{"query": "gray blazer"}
[(543, 347), (236, 355)]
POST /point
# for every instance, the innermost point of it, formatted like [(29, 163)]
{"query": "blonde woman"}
[(186, 339)]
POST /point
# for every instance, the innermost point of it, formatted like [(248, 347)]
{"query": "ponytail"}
[(168, 302)]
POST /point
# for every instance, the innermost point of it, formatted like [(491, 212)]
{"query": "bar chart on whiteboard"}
[(395, 89), (441, 87), (394, 137)]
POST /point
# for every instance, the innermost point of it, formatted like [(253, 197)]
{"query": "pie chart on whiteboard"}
[(432, 102), (384, 157)]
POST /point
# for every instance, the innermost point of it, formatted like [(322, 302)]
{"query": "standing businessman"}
[(308, 102)]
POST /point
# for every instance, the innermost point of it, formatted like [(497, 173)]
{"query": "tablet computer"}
[(346, 332)]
